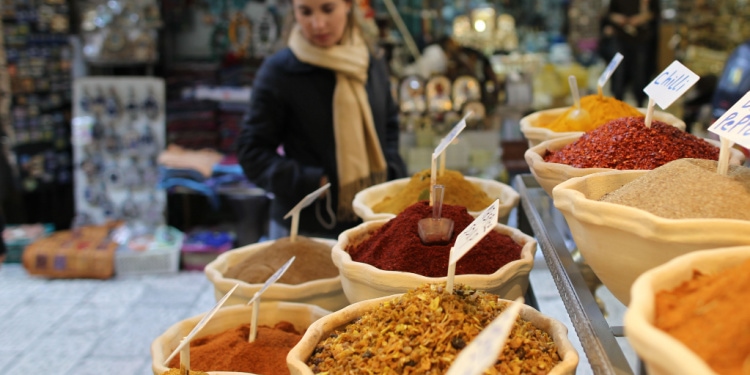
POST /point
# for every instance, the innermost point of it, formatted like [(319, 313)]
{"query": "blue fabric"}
[(196, 186)]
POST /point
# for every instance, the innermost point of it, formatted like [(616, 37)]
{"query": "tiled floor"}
[(82, 327)]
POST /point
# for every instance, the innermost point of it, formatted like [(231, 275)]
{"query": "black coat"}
[(292, 106)]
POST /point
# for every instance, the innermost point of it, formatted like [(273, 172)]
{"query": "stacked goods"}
[(627, 143)]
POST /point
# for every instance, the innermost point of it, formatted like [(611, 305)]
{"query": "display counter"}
[(537, 216)]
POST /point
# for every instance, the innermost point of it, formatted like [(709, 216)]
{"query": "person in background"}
[(635, 25), (321, 111)]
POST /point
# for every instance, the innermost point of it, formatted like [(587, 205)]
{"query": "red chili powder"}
[(396, 246), (230, 350), (626, 143)]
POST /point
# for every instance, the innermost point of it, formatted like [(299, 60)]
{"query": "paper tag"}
[(671, 84), (307, 200), (276, 275), (473, 233), (450, 136), (200, 325), (482, 352), (734, 124), (607, 73)]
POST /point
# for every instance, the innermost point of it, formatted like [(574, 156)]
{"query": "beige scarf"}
[(359, 157)]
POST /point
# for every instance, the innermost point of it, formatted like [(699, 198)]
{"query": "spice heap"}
[(422, 332), (601, 109), (627, 143), (396, 246), (458, 191), (312, 262), (711, 316), (230, 350), (688, 188)]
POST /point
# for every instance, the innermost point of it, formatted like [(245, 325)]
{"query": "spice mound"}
[(627, 143), (458, 191), (230, 350), (710, 315), (601, 109), (422, 332), (312, 262), (396, 246), (688, 189)]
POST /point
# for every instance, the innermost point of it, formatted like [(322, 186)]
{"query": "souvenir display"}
[(119, 132), (439, 94), (265, 34), (412, 95), (465, 89)]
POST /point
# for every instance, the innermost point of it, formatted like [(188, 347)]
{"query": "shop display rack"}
[(598, 339)]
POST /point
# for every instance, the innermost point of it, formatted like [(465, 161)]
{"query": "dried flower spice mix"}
[(627, 143), (711, 316), (688, 189), (422, 332), (396, 246)]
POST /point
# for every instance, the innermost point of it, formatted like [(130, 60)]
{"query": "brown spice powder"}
[(230, 350), (710, 314)]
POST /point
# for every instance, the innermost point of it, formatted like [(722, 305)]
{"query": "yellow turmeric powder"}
[(601, 109), (458, 191)]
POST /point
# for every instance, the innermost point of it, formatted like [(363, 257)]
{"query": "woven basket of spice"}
[(621, 144), (385, 257), (423, 330), (533, 126), (412, 189), (627, 222), (689, 315), (312, 278), (221, 347)]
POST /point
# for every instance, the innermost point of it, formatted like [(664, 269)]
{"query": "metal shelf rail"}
[(597, 338)]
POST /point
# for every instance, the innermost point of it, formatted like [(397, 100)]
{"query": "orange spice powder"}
[(710, 314)]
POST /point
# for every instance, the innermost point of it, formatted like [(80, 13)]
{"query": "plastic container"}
[(162, 256), (326, 293), (362, 281), (326, 325), (228, 317)]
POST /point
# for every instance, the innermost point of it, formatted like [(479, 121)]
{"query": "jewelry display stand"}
[(118, 133)]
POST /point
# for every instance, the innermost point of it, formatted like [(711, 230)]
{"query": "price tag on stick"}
[(482, 352), (185, 343), (441, 148), (608, 71), (733, 127), (255, 301), (473, 233), (294, 212), (669, 85)]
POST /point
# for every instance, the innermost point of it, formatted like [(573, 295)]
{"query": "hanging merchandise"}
[(118, 133), (265, 34), (120, 31)]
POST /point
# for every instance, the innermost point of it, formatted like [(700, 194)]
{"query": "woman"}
[(321, 111)]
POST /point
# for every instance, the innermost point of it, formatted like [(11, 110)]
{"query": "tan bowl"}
[(534, 131), (620, 242), (549, 175), (362, 281), (367, 198), (326, 293), (662, 353), (301, 315), (322, 328)]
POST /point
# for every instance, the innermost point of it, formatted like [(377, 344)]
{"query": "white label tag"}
[(473, 233), (671, 84), (307, 200), (482, 352), (450, 136), (607, 73), (734, 124)]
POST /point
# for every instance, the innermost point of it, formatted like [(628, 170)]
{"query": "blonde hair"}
[(354, 19)]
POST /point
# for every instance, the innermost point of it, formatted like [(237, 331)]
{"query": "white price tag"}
[(734, 124), (450, 136), (607, 73), (473, 233), (670, 84), (482, 352), (307, 200)]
